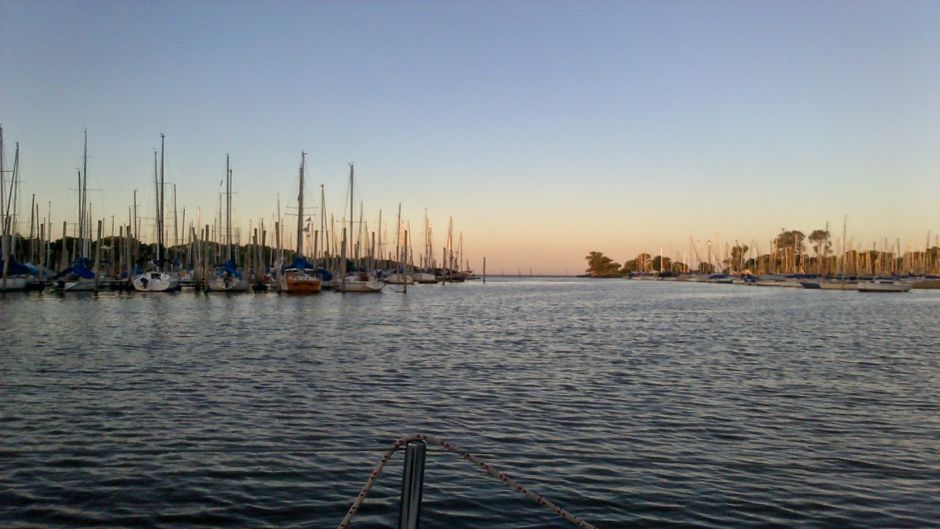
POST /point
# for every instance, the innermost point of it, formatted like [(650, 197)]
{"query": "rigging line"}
[(450, 447)]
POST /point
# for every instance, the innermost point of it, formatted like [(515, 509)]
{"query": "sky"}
[(544, 129)]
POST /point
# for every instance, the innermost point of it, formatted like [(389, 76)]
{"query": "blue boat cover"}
[(81, 267), (301, 263), (15, 268)]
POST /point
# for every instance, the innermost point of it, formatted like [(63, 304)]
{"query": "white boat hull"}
[(356, 284), (400, 279), (79, 286), (228, 284), (424, 277), (155, 282), (14, 283), (877, 285), (838, 285)]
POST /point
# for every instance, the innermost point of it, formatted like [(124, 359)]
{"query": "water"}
[(632, 404)]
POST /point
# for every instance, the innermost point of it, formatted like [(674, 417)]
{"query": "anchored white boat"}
[(11, 284), (838, 284), (158, 280), (228, 282), (884, 285), (362, 282), (399, 279), (228, 278), (425, 277)]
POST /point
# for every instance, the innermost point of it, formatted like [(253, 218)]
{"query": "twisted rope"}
[(450, 447)]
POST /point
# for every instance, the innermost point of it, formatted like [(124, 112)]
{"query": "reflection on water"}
[(629, 403)]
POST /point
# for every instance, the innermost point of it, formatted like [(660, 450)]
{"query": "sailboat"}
[(158, 280), (427, 274), (227, 277), (361, 281), (15, 276), (300, 277), (79, 276), (400, 276)]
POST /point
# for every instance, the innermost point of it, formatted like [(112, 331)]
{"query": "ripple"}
[(636, 404)]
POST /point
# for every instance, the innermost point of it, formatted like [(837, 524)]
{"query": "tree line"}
[(791, 251)]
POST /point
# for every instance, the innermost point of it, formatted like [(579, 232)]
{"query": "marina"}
[(469, 265)]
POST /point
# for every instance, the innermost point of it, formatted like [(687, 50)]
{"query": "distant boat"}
[(77, 278), (17, 276), (830, 284), (300, 277), (927, 283), (884, 285), (227, 277), (359, 281), (157, 280), (425, 277), (778, 280), (398, 278), (723, 279)]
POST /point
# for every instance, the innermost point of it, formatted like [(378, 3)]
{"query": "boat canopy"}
[(230, 268), (15, 268), (81, 268), (301, 263)]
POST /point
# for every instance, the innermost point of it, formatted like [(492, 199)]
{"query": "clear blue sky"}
[(546, 129)]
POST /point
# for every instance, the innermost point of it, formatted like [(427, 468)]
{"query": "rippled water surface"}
[(632, 404)]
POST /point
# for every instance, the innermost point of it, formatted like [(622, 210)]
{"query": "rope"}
[(450, 447)]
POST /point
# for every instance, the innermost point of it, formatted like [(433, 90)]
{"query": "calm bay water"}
[(632, 404)]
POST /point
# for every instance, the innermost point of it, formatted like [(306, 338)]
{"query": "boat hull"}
[(362, 286), (425, 278), (884, 286), (400, 279), (305, 284), (155, 282), (231, 284), (14, 284)]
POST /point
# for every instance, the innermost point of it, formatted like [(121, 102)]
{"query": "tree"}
[(821, 244), (790, 240), (736, 261), (666, 264), (599, 265), (789, 250), (643, 263)]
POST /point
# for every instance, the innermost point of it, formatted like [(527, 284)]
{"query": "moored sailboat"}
[(356, 281), (884, 285), (158, 280), (227, 277), (300, 277)]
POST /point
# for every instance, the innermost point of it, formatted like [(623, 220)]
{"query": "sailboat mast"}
[(83, 195), (351, 187), (398, 248), (160, 206), (176, 232), (300, 207), (228, 210), (323, 233)]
